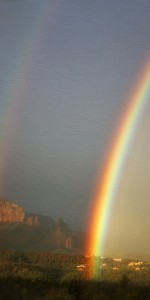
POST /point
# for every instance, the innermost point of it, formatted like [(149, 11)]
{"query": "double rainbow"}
[(112, 171)]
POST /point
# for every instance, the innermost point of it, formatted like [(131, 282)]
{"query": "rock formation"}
[(11, 212), (32, 220), (22, 230)]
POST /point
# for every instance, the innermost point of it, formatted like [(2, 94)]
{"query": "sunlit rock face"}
[(32, 220), (22, 230), (11, 212)]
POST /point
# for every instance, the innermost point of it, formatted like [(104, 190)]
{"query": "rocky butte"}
[(19, 229), (11, 212)]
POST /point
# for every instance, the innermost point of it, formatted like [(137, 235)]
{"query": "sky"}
[(67, 69)]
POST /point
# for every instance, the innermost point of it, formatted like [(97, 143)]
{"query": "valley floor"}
[(64, 276)]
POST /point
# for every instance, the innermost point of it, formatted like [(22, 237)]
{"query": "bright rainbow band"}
[(112, 172)]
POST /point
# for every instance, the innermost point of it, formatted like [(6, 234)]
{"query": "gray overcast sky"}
[(66, 71)]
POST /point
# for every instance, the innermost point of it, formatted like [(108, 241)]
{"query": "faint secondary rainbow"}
[(20, 74), (102, 204)]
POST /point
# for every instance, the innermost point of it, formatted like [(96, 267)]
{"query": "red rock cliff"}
[(11, 212)]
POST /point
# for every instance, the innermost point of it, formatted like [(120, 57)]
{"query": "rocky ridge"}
[(12, 212), (19, 229)]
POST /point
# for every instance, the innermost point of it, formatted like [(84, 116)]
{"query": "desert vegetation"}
[(46, 276)]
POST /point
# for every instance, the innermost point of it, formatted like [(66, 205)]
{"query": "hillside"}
[(22, 230)]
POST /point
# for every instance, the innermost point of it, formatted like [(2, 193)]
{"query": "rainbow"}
[(106, 190), (20, 74)]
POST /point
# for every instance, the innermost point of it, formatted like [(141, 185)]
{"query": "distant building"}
[(118, 259)]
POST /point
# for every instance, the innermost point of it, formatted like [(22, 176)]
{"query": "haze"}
[(67, 70)]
